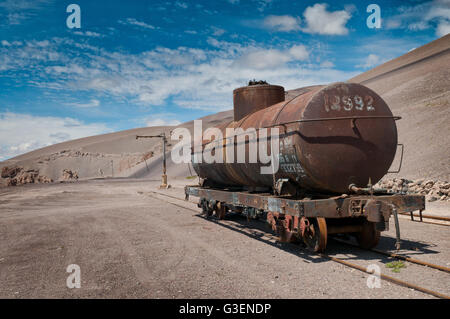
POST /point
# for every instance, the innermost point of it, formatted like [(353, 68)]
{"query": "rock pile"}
[(18, 176), (69, 175), (433, 190)]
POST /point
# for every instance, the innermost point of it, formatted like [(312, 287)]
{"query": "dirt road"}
[(131, 243)]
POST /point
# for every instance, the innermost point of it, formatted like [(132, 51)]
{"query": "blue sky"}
[(139, 63)]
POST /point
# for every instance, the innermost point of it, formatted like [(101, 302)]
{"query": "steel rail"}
[(338, 260), (397, 256), (388, 278), (427, 222), (447, 219)]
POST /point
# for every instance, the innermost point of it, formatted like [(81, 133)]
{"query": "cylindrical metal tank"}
[(249, 99), (330, 137)]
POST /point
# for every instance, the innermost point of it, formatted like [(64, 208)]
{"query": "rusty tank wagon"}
[(334, 141)]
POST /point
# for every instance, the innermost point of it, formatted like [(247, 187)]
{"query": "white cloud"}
[(162, 122), (133, 21), (39, 131), (261, 5), (18, 11), (327, 64), (438, 9), (418, 26), (443, 28), (299, 52), (21, 5), (283, 23), (89, 34), (271, 58), (422, 16), (392, 23), (320, 21), (218, 32), (190, 77), (16, 18), (91, 103), (371, 61), (182, 5), (263, 59)]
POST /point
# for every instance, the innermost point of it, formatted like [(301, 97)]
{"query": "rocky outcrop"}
[(69, 176), (10, 172), (19, 176), (433, 190)]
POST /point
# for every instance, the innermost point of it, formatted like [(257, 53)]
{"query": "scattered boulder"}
[(10, 172), (433, 190), (445, 186), (69, 175)]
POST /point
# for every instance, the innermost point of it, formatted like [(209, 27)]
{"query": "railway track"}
[(399, 257), (447, 219), (443, 221), (347, 263)]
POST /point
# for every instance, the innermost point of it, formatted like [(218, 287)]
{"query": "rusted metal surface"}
[(330, 137), (333, 207), (312, 219), (249, 99), (316, 234), (344, 229), (299, 218)]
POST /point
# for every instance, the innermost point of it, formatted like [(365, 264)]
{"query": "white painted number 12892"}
[(347, 103)]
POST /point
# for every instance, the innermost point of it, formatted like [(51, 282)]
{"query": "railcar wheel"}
[(315, 236), (207, 210), (220, 210), (369, 236)]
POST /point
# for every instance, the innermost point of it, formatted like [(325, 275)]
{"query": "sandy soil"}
[(129, 242)]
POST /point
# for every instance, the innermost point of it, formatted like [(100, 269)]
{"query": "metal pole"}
[(397, 228), (164, 153), (164, 141), (164, 176)]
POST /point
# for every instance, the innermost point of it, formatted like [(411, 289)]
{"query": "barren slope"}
[(116, 154)]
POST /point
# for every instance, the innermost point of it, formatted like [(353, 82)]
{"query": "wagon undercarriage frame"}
[(312, 220)]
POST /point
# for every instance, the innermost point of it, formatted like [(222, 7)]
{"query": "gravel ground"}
[(131, 243)]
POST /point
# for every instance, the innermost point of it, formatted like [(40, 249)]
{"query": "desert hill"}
[(116, 154), (416, 86)]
